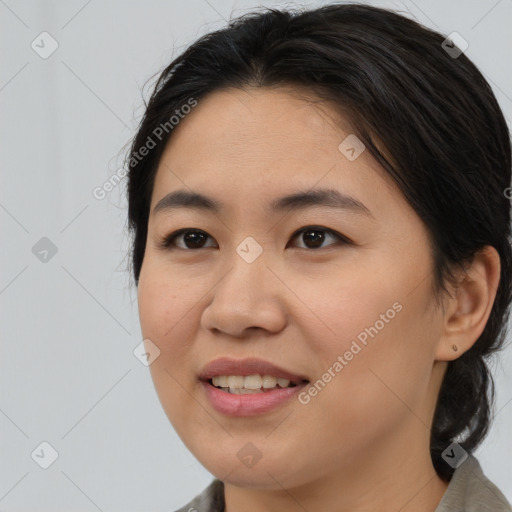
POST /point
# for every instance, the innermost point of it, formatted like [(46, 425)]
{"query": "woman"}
[(322, 254)]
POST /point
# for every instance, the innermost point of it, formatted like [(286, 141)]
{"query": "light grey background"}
[(69, 325)]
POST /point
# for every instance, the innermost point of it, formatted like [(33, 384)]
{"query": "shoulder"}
[(210, 499), (471, 491)]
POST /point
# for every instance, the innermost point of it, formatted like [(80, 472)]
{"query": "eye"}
[(314, 236), (195, 237)]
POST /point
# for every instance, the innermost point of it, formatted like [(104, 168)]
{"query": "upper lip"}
[(244, 367)]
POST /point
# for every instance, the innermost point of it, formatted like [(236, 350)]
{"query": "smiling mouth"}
[(253, 384), (252, 394)]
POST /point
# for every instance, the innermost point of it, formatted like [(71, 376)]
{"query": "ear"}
[(467, 311)]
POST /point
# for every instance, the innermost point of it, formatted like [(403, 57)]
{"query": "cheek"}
[(376, 335), (347, 307), (155, 306), (165, 314), (163, 300)]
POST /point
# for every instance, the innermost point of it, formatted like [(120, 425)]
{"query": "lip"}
[(248, 366), (249, 405)]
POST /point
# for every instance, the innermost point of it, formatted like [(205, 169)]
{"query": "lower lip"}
[(251, 404)]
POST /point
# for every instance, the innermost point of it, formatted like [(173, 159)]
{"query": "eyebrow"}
[(299, 200)]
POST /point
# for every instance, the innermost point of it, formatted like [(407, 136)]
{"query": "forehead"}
[(259, 115), (241, 143)]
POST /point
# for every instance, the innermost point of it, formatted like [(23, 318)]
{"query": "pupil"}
[(193, 237), (317, 240)]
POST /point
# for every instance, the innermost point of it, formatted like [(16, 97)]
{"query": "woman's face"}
[(356, 317)]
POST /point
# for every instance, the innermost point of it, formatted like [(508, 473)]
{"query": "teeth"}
[(237, 383), (252, 382), (220, 381), (269, 382), (250, 391)]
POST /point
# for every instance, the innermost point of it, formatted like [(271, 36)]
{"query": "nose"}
[(249, 296)]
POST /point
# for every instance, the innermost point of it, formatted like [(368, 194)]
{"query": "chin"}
[(269, 474)]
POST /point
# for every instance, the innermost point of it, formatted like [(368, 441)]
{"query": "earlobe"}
[(470, 305)]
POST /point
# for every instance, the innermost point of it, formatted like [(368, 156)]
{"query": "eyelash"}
[(167, 242)]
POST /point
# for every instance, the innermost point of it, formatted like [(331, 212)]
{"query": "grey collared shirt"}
[(469, 491)]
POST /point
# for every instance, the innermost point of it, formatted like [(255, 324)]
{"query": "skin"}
[(362, 443)]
